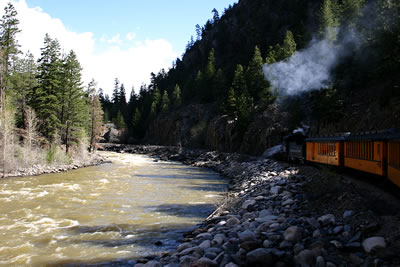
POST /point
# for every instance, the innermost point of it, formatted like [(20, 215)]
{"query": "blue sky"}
[(125, 39), (172, 20)]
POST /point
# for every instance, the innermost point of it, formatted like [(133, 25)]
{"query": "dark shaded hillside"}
[(241, 28), (216, 95)]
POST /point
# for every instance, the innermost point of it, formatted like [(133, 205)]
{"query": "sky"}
[(124, 39)]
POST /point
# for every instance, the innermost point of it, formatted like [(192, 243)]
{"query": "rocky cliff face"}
[(266, 131), (184, 127), (198, 126)]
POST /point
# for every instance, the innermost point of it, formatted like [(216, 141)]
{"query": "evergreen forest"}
[(222, 77), (46, 113), (231, 90)]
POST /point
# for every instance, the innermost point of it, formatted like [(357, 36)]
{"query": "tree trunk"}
[(66, 139), (3, 126), (92, 134)]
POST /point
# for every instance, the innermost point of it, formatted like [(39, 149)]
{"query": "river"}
[(112, 211)]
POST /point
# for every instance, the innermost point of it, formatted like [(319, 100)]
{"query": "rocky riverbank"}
[(38, 169), (277, 214)]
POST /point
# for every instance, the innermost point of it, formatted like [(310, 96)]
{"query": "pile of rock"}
[(38, 169), (267, 222)]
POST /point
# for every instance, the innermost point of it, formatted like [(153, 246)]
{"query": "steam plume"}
[(310, 68)]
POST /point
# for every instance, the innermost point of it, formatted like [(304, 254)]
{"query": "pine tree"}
[(22, 83), (76, 112), (289, 46), (133, 98), (47, 101), (329, 21), (165, 102), (9, 47), (239, 81), (115, 100), (176, 97), (210, 68), (271, 56), (351, 10), (137, 116), (215, 15), (243, 106), (207, 88), (119, 121), (230, 103), (122, 95), (155, 103), (243, 101), (198, 32), (115, 95), (123, 106), (257, 84), (131, 107)]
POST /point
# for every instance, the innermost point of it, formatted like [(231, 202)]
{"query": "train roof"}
[(372, 135), (395, 134), (326, 138)]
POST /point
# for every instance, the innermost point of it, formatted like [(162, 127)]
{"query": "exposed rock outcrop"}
[(199, 126)]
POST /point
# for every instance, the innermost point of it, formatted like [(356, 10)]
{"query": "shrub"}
[(198, 133)]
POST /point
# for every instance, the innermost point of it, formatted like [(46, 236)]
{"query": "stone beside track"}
[(278, 214)]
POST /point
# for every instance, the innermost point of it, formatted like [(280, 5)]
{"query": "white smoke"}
[(311, 68)]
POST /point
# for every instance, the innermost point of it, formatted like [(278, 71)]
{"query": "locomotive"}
[(376, 152)]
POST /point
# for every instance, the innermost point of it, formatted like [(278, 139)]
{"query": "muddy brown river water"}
[(113, 211)]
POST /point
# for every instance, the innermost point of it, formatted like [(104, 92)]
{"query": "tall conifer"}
[(76, 111), (47, 101)]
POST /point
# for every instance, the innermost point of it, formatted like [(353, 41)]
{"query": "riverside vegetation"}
[(48, 119)]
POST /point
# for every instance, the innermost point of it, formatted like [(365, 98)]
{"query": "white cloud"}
[(130, 36), (116, 39), (131, 65)]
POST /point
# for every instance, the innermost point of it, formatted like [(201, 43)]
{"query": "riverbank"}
[(279, 214), (38, 169)]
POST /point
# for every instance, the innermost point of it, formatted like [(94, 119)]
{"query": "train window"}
[(327, 149), (359, 149), (394, 154)]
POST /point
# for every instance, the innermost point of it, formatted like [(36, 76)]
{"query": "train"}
[(375, 152)]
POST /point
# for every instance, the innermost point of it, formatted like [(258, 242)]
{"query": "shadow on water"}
[(130, 229), (211, 187), (183, 210), (202, 176), (152, 240), (114, 263)]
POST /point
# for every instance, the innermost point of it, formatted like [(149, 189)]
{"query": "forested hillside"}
[(250, 76), (263, 68), (46, 114)]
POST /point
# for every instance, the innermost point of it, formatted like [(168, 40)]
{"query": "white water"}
[(96, 214)]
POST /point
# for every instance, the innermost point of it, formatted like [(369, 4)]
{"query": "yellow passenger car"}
[(327, 150), (366, 152), (393, 166)]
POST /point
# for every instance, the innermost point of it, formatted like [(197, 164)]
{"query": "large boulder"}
[(112, 134), (372, 243)]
